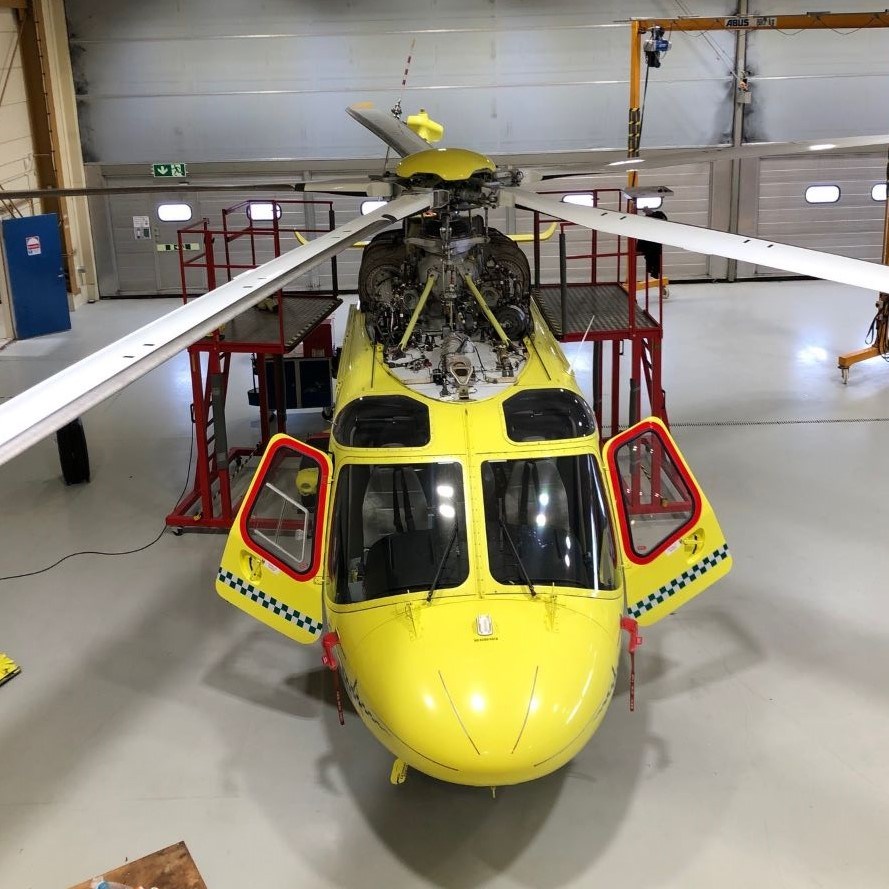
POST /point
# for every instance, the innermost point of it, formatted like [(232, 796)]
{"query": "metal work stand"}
[(285, 320), (612, 308)]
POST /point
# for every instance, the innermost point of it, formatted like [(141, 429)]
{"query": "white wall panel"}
[(817, 83), (853, 226), (207, 81)]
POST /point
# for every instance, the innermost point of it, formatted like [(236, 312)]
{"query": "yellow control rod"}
[(430, 281), (484, 307)]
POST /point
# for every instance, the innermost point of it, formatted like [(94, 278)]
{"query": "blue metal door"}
[(36, 279)]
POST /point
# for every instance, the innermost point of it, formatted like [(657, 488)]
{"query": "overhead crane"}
[(741, 23)]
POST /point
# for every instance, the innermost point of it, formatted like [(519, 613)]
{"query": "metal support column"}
[(280, 393), (563, 278), (41, 112), (737, 135)]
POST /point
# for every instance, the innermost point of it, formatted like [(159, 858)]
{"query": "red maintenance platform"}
[(268, 332), (605, 303)]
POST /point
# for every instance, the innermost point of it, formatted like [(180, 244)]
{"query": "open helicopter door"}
[(672, 543), (272, 564)]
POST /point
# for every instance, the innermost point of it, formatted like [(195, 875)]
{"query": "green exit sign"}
[(169, 171)]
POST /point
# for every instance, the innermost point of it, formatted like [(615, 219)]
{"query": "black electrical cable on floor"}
[(125, 552)]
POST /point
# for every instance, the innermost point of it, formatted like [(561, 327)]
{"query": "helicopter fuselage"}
[(490, 680), (471, 548)]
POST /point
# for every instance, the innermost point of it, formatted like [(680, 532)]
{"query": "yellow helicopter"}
[(465, 549), (467, 544)]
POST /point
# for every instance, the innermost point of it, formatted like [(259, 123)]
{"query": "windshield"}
[(552, 510), (394, 530)]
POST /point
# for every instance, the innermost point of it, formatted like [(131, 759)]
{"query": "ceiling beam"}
[(803, 21)]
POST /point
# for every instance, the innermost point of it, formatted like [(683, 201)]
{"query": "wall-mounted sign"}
[(169, 171), (742, 22), (141, 228), (32, 245), (164, 248)]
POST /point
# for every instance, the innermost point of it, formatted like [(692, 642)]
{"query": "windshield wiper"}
[(441, 564), (518, 559)]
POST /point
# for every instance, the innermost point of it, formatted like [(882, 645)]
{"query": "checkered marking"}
[(679, 583), (270, 602)]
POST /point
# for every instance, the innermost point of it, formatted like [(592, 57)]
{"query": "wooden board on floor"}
[(171, 868)]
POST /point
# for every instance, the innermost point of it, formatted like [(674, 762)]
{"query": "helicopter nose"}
[(495, 697)]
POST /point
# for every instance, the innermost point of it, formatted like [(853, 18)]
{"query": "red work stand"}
[(286, 320), (608, 305)]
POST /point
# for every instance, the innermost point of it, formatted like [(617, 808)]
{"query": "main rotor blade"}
[(56, 401), (364, 187), (798, 260), (676, 157), (394, 132)]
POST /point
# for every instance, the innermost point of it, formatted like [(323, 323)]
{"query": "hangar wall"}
[(196, 80), (200, 82)]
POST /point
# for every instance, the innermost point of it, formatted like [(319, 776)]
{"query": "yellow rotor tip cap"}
[(425, 127)]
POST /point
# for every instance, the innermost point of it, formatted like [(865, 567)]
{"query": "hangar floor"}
[(149, 711)]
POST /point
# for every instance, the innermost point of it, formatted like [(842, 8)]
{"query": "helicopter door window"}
[(657, 499), (547, 415), (393, 525), (281, 521)]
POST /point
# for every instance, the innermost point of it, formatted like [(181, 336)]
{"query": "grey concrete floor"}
[(150, 711)]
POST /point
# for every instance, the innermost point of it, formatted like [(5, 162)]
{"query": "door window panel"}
[(281, 521), (657, 497), (174, 212)]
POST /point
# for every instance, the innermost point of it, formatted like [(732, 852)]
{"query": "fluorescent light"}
[(629, 160), (824, 147)]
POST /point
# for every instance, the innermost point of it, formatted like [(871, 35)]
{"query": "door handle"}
[(693, 542)]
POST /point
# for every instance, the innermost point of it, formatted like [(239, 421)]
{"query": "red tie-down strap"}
[(329, 641), (633, 642)]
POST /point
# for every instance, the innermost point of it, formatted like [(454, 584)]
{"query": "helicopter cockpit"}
[(398, 528), (546, 523)]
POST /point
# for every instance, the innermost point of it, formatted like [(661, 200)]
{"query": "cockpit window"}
[(396, 527), (546, 519), (546, 415), (383, 421)]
